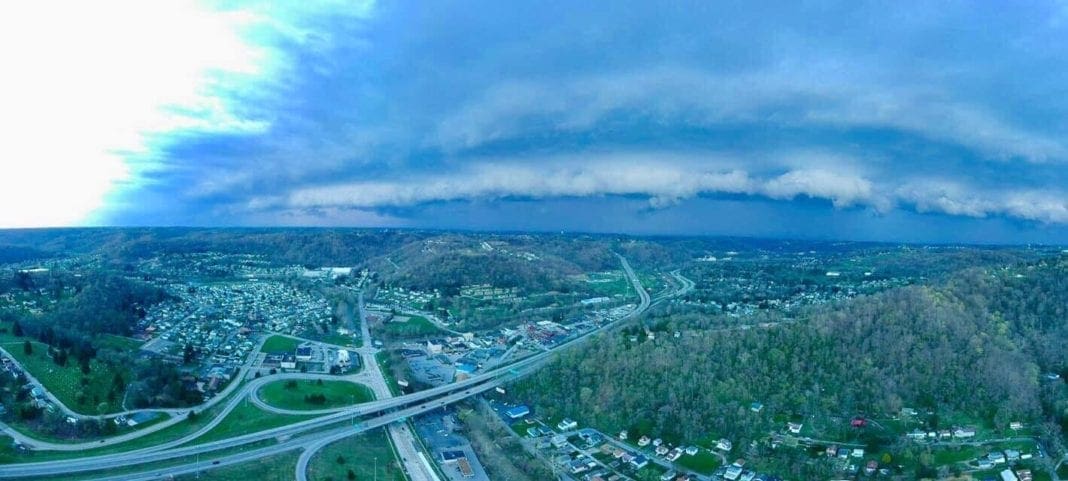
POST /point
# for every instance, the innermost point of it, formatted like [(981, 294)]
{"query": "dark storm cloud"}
[(911, 110)]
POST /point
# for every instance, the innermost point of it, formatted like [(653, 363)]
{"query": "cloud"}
[(367, 113), (953, 198), (843, 190), (562, 177), (664, 179), (811, 95)]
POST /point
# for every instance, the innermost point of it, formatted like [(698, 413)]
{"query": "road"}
[(452, 392)]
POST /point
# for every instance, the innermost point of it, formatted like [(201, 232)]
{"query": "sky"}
[(899, 121)]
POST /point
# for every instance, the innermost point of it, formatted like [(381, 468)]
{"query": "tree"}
[(340, 459), (188, 354), (350, 475), (16, 329), (27, 348)]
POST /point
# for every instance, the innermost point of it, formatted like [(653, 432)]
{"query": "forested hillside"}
[(972, 348)]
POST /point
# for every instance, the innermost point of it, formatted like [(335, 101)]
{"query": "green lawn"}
[(118, 343), (88, 397), (272, 468), (361, 454), (278, 343), (384, 363), (286, 395), (953, 456), (244, 419), (415, 326), (703, 462), (340, 340)]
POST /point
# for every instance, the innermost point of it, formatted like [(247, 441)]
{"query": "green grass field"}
[(361, 454), (90, 397), (339, 340), (244, 419), (338, 393), (703, 462), (272, 468), (280, 344), (415, 326), (118, 343)]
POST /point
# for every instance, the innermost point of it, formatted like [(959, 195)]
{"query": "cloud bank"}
[(903, 116)]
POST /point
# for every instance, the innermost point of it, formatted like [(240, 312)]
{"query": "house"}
[(996, 457), (1016, 425), (724, 444), (795, 428), (916, 434), (657, 442), (733, 472), (964, 433), (661, 450), (304, 353), (668, 476), (518, 411), (289, 361), (567, 424), (644, 441), (1012, 455), (559, 441), (691, 450), (1024, 474), (1008, 475), (858, 422), (622, 435), (639, 462), (870, 468), (675, 454), (578, 466), (756, 407), (858, 453)]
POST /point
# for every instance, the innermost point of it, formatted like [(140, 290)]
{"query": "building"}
[(304, 353), (289, 361), (518, 411), (567, 424)]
